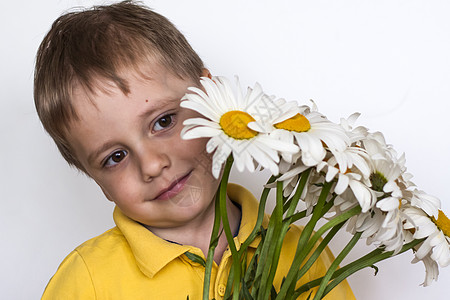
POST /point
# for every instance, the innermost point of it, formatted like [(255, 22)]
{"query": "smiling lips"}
[(176, 187)]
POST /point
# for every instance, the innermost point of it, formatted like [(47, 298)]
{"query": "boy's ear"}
[(206, 73)]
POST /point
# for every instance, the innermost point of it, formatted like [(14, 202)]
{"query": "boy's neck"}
[(198, 233)]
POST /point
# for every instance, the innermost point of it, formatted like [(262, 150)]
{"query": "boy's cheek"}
[(107, 195)]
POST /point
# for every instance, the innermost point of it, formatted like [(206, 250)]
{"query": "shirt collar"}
[(153, 253)]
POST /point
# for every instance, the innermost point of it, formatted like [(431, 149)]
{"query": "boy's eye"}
[(115, 158), (163, 122)]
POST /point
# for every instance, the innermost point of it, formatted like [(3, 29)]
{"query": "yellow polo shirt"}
[(130, 262)]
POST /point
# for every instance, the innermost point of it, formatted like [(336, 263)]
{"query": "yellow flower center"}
[(443, 223), (298, 123), (234, 124)]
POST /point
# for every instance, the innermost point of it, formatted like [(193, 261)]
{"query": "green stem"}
[(249, 276), (259, 219), (272, 259), (299, 256), (276, 229), (212, 247), (319, 250), (262, 262), (230, 281), (244, 246), (278, 212), (365, 261), (335, 265), (300, 215), (236, 265), (333, 222), (369, 262), (298, 193)]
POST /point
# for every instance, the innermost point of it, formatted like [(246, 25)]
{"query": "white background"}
[(388, 60)]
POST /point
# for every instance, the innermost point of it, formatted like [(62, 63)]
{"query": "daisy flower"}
[(351, 170), (312, 132), (385, 181), (435, 231), (368, 223), (226, 116), (369, 174)]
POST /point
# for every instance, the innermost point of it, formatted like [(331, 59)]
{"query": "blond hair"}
[(83, 47)]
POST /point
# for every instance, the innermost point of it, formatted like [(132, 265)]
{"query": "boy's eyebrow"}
[(149, 110), (91, 157)]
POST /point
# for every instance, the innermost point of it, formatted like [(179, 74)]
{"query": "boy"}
[(108, 84)]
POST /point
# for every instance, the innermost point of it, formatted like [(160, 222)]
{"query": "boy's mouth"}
[(174, 188)]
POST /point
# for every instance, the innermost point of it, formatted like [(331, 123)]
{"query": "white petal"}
[(423, 250), (342, 184), (278, 145), (202, 109), (213, 143), (315, 147), (200, 131), (362, 194), (331, 173), (388, 204), (201, 121)]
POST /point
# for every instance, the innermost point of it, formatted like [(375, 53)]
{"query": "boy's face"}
[(131, 146)]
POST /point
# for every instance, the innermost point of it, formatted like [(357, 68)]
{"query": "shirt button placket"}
[(221, 289)]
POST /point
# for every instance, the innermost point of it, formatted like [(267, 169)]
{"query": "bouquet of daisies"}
[(347, 178)]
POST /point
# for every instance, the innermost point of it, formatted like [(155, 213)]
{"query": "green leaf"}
[(375, 268), (282, 280), (215, 242), (273, 293), (263, 232), (245, 292), (195, 258), (251, 271)]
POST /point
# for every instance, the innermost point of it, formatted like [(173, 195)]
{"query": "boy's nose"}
[(152, 163)]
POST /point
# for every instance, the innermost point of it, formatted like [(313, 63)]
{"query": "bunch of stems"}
[(254, 279)]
